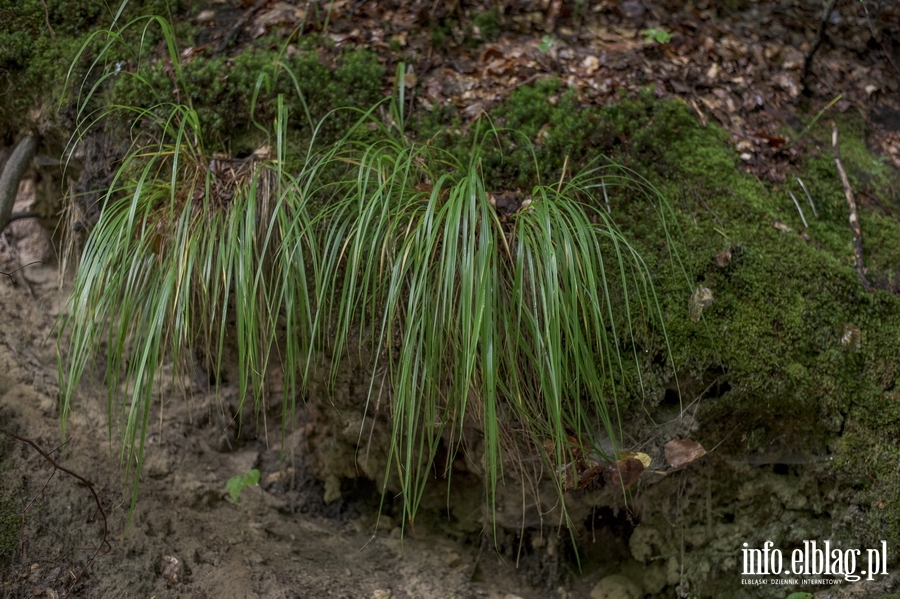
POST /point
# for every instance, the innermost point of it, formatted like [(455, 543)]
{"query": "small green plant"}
[(800, 595), (659, 36), (486, 25), (879, 166), (546, 44), (239, 482)]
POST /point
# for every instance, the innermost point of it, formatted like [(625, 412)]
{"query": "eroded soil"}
[(676, 537), (277, 542)]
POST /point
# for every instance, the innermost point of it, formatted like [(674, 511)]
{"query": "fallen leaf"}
[(781, 226), (643, 458), (701, 299), (625, 473), (723, 258), (681, 452), (170, 569)]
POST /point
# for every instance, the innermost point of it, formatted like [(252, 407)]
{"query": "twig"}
[(820, 36), (799, 209), (245, 18), (563, 175), (11, 273), (854, 214), (104, 546), (47, 20), (808, 197), (18, 271), (876, 38), (21, 215), (814, 121)]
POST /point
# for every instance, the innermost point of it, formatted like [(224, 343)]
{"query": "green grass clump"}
[(523, 322), (520, 324)]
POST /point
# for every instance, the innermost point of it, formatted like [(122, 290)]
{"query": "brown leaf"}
[(681, 452), (723, 258), (781, 226), (625, 473)]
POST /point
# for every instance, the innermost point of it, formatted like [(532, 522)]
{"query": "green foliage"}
[(239, 482), (543, 127), (486, 25), (547, 42), (230, 94), (447, 264), (659, 36), (526, 322), (38, 39), (520, 323)]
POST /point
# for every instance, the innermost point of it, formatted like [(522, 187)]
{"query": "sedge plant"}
[(482, 320), (524, 326)]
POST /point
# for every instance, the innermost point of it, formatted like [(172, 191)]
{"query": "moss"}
[(10, 527), (231, 95), (38, 39), (485, 26), (10, 516)]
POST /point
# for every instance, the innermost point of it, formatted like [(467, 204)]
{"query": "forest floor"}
[(741, 68)]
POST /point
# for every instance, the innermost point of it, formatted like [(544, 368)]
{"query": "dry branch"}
[(12, 174), (854, 214)]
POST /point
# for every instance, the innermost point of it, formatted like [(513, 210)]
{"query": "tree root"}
[(12, 174)]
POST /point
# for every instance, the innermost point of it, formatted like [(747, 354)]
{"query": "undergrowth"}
[(528, 323)]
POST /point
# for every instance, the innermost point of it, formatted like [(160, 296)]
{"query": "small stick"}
[(104, 546), (808, 197), (799, 209), (18, 271), (854, 214), (563, 175), (239, 24), (820, 36)]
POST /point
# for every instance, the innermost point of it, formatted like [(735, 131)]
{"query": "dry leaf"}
[(701, 299), (723, 258), (643, 458), (781, 226), (170, 569), (625, 473), (680, 452)]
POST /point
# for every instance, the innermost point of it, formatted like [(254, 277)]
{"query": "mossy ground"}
[(793, 351)]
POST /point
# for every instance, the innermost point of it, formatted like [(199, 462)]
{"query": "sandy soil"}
[(277, 542)]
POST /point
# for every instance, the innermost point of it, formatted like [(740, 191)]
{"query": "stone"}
[(616, 586)]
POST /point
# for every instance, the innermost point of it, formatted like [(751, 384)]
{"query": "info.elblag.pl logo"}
[(816, 559)]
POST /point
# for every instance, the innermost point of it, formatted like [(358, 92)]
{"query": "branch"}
[(854, 214), (104, 544), (820, 36), (12, 174)]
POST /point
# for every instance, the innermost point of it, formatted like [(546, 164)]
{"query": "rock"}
[(645, 542), (616, 587), (381, 594)]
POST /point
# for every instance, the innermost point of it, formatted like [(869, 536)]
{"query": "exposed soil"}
[(676, 537), (277, 542)]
